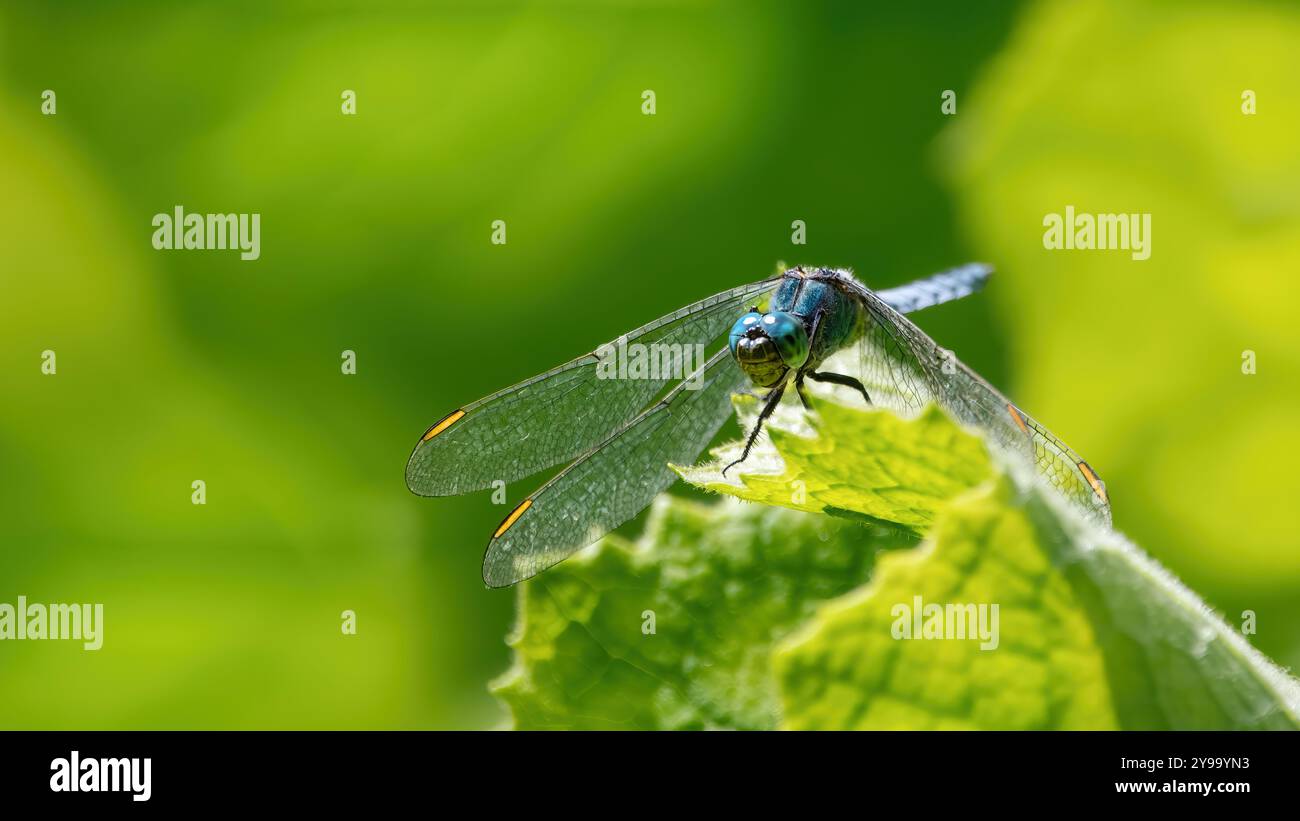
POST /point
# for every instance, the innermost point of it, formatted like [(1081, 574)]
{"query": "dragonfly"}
[(619, 430)]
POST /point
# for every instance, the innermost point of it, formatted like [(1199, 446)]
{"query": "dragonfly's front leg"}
[(773, 399), (803, 392), (798, 379), (841, 379)]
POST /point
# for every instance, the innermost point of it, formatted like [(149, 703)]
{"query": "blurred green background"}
[(175, 366)]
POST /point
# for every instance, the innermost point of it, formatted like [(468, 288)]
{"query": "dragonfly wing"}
[(904, 369), (614, 481), (555, 416)]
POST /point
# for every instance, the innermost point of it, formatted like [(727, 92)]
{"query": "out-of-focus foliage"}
[(1138, 107)]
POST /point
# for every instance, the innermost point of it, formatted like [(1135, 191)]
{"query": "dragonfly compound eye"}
[(766, 346), (742, 328), (790, 337)]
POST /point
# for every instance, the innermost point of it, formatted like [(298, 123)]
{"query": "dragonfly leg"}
[(798, 379), (841, 379), (773, 399), (803, 392)]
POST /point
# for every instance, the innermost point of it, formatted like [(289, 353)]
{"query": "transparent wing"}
[(904, 369), (614, 481), (557, 415)]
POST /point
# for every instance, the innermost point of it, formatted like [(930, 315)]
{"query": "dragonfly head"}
[(767, 346)]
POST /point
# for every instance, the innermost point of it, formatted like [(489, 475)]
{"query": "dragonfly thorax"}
[(768, 346)]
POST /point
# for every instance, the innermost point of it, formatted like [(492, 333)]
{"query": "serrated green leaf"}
[(872, 463), (722, 582), (1037, 666), (1090, 632)]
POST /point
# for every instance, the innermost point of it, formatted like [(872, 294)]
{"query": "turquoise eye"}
[(789, 335), (742, 325)]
